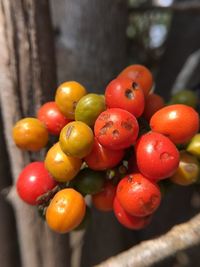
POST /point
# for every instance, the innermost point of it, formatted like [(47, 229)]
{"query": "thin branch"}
[(180, 237), (181, 7)]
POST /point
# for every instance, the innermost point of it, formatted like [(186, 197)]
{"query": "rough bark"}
[(92, 43), (27, 76), (9, 255)]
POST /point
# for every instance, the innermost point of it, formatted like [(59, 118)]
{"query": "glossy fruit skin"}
[(51, 116), (76, 139), (116, 128), (188, 171), (139, 74), (103, 200), (179, 122), (62, 167), (88, 181), (138, 195), (66, 210), (127, 220), (30, 134), (125, 94), (89, 107), (153, 103), (102, 158), (194, 146), (186, 97), (34, 181), (157, 157), (67, 96)]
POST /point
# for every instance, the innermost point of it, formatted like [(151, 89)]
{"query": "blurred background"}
[(94, 40)]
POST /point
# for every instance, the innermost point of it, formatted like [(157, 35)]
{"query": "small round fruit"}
[(139, 74), (102, 158), (51, 116), (125, 94), (33, 182), (194, 146), (67, 96), (66, 211), (116, 128), (186, 97), (157, 157), (76, 139), (103, 200), (178, 122), (62, 167), (88, 181), (138, 196), (153, 103), (188, 171), (127, 220), (30, 134), (89, 107)]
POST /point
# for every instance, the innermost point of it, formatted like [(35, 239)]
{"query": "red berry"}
[(102, 158), (34, 181), (157, 157), (178, 122), (116, 128), (125, 94), (103, 200), (138, 195), (153, 103), (51, 116), (127, 220), (139, 74)]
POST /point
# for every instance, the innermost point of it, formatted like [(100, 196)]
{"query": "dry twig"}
[(180, 237)]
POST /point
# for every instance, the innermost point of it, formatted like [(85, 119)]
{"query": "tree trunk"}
[(27, 77), (92, 43)]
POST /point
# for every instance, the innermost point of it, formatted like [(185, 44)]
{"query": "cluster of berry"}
[(116, 148)]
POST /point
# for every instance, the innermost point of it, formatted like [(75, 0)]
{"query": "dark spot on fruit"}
[(69, 131), (149, 206), (127, 125), (107, 126), (135, 85), (166, 156), (157, 145), (74, 105), (115, 134), (129, 94)]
